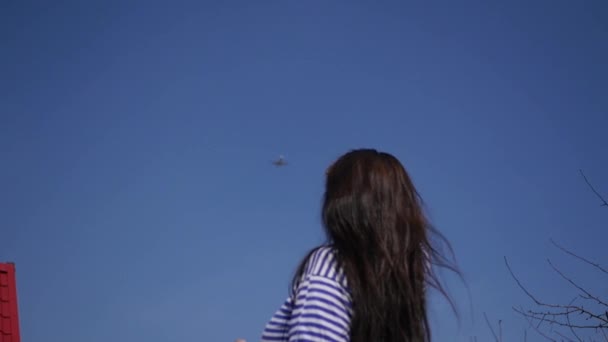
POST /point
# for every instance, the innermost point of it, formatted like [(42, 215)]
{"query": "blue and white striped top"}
[(320, 307)]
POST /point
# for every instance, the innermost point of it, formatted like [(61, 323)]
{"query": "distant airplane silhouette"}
[(280, 162)]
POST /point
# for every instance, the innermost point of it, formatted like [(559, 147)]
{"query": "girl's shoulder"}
[(323, 262)]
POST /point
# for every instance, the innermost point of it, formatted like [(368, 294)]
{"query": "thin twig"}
[(596, 265), (604, 203), (500, 330), (537, 329), (491, 328), (519, 283), (572, 329), (589, 295)]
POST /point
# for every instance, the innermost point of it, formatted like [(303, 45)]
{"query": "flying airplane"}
[(280, 162)]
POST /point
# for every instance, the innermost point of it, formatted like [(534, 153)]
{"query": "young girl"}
[(369, 282)]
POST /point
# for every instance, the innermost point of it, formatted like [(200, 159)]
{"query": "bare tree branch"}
[(558, 314), (596, 265), (588, 295), (536, 328), (519, 283), (585, 317), (551, 318), (604, 203)]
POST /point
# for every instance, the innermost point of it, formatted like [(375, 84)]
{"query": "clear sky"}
[(139, 202)]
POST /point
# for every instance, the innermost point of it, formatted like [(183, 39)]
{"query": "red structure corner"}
[(9, 313)]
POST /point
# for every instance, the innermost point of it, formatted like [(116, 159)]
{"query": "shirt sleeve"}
[(322, 311)]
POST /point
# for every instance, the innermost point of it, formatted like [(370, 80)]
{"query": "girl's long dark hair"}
[(374, 220)]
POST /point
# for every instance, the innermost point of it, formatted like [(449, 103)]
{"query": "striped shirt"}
[(320, 307)]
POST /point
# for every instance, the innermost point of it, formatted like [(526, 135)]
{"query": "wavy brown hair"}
[(373, 218)]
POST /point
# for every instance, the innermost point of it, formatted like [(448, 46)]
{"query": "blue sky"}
[(138, 199)]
